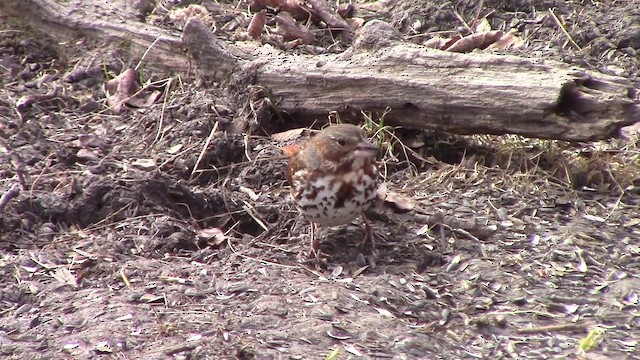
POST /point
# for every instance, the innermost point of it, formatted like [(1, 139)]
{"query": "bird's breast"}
[(336, 195)]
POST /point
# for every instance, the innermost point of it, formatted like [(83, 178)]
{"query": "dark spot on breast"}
[(371, 169), (344, 167), (345, 193), (313, 193)]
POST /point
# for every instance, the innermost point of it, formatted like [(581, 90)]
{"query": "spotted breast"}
[(334, 176)]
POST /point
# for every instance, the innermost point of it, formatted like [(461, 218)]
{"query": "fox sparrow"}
[(333, 177)]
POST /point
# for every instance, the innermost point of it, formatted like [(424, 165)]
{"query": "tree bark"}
[(409, 85), (462, 93)]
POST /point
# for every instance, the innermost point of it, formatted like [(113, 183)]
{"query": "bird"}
[(333, 178)]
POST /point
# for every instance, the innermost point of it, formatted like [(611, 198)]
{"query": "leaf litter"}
[(143, 229)]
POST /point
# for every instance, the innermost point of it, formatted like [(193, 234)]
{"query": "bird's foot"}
[(369, 236), (314, 250)]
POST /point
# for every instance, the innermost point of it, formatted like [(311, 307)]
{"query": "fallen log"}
[(412, 86)]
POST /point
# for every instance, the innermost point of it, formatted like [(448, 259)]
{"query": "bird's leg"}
[(314, 251), (368, 233)]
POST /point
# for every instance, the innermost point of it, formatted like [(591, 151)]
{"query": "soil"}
[(113, 246)]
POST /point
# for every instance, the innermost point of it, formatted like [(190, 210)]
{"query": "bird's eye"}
[(341, 142)]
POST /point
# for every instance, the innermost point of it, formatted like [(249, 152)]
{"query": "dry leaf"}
[(289, 29), (287, 136), (347, 12), (385, 313), (397, 202), (507, 41), (213, 236), (174, 149), (482, 26), (476, 41), (124, 89), (351, 349), (323, 11), (145, 164), (436, 42), (87, 155), (257, 24), (633, 222), (121, 88), (451, 41), (337, 271), (147, 101), (64, 276)]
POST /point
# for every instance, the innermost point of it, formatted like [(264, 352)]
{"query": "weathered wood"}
[(462, 93), (102, 21), (415, 86)]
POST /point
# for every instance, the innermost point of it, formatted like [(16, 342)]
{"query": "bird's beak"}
[(366, 149)]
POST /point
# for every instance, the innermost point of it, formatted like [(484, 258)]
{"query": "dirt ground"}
[(113, 247)]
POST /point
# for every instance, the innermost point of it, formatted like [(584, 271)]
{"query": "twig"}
[(7, 196), (478, 10), (461, 19), (554, 328), (249, 209), (26, 101), (204, 149), (124, 277), (18, 164), (564, 30), (163, 112), (146, 52)]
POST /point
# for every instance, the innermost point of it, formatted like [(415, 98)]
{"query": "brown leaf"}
[(213, 236), (64, 276), (476, 41), (126, 83), (146, 101), (257, 24), (482, 26), (326, 14), (290, 30), (436, 42), (295, 8), (152, 98), (144, 164), (121, 88), (451, 41), (507, 41), (287, 136), (87, 155), (398, 202), (347, 12)]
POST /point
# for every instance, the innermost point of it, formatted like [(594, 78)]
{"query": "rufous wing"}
[(293, 164)]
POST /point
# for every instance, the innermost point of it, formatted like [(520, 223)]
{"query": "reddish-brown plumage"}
[(334, 176)]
